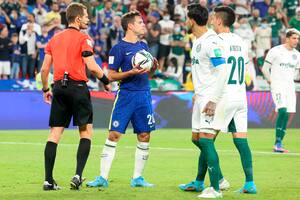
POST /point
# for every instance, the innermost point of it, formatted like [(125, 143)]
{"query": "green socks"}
[(281, 123), (208, 149), (246, 157), (202, 165)]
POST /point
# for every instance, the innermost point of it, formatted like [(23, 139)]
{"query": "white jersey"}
[(283, 63), (236, 55), (205, 48)]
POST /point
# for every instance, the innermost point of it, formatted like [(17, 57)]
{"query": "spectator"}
[(116, 32), (132, 6), (93, 32), (154, 30), (242, 8), (244, 30), (10, 5), (5, 51), (16, 22), (177, 51), (63, 7), (120, 9), (23, 17), (40, 11), (167, 27), (295, 21), (28, 39), (203, 3), (278, 5), (263, 35), (181, 9), (275, 22), (31, 21), (262, 6), (172, 69), (105, 17), (4, 18), (290, 7), (41, 43), (153, 9), (255, 19), (53, 15), (15, 56), (142, 7)]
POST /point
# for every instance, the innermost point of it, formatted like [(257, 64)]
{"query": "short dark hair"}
[(291, 32), (226, 14), (128, 18), (14, 35), (198, 13), (74, 10)]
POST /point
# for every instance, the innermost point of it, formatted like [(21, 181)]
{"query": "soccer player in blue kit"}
[(132, 102)]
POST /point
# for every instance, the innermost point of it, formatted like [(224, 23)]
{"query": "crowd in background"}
[(27, 25)]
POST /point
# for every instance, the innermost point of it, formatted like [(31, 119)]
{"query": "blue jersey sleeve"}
[(115, 58)]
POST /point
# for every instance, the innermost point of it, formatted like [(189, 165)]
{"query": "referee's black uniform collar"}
[(72, 27)]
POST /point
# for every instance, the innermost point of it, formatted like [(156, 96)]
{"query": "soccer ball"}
[(142, 60)]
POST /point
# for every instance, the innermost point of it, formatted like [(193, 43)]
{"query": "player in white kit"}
[(207, 71), (279, 70), (233, 105)]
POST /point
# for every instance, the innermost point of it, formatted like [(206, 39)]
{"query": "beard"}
[(189, 29)]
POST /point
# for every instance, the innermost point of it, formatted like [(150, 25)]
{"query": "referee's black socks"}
[(49, 154), (82, 154)]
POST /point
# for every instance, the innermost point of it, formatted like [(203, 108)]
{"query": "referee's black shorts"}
[(72, 101)]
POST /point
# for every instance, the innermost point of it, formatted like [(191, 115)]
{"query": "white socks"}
[(141, 156), (107, 156)]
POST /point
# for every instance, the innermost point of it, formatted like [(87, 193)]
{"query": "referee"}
[(70, 51)]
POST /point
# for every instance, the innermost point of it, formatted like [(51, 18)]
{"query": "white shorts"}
[(284, 98), (200, 121), (233, 116), (5, 67)]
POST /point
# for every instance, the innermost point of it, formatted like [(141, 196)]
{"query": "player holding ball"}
[(133, 100)]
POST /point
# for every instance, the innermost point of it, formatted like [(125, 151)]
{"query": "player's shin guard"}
[(208, 148), (49, 154), (107, 156), (280, 122), (246, 157), (141, 157), (83, 152)]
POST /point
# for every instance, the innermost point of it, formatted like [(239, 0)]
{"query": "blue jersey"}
[(43, 40), (120, 60)]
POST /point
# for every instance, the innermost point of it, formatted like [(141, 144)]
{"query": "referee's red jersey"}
[(66, 50)]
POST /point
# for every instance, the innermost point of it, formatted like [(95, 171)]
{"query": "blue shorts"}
[(134, 106)]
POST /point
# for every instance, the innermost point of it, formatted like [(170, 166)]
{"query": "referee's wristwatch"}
[(45, 90)]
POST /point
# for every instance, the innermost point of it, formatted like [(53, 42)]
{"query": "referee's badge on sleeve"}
[(89, 42), (111, 59)]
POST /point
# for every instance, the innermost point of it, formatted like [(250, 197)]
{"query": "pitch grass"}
[(173, 160)]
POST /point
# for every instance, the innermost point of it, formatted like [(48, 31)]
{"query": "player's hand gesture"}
[(210, 109), (48, 97), (137, 70), (155, 64)]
